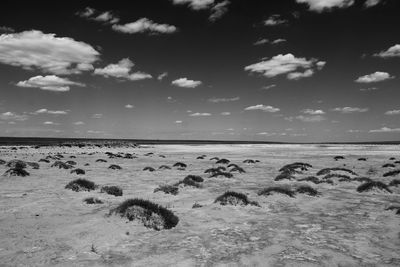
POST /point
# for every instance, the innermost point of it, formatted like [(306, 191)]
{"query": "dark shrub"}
[(195, 178), (196, 205), (237, 169), (223, 161), (233, 165), (161, 156), (225, 174), (167, 189), (17, 164), (211, 171), (391, 173), (284, 176), (388, 165), (275, 189), (249, 161), (33, 165), (297, 165), (392, 158), (395, 208), (112, 190), (61, 165), (44, 160), (2, 162), (149, 154), (397, 162), (221, 168), (101, 160), (338, 157), (72, 157), (81, 185), (235, 199), (371, 185), (78, 171), (87, 164), (312, 179), (164, 167), (115, 167), (150, 214), (150, 169), (214, 158), (191, 180), (362, 159), (362, 179), (71, 162), (200, 157), (394, 182), (328, 170), (16, 172), (180, 165), (92, 200), (308, 190), (341, 177)]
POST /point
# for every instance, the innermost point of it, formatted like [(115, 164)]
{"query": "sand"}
[(44, 224)]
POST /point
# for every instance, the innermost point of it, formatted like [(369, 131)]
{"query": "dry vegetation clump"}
[(223, 161), (214, 158), (78, 171), (114, 167), (16, 172), (312, 179), (284, 176), (394, 182), (329, 170), (149, 154), (112, 190), (92, 200), (150, 214), (44, 160), (167, 189), (342, 177), (395, 208), (180, 165), (2, 162), (237, 169), (225, 174), (388, 165), (233, 165), (200, 157), (338, 157), (276, 189), (362, 159), (397, 162), (61, 165), (164, 167), (249, 161), (308, 190), (101, 160), (16, 163), (191, 180), (391, 173), (150, 169), (392, 158), (368, 186), (297, 165), (196, 205), (33, 165), (362, 179), (211, 171), (235, 199), (81, 185)]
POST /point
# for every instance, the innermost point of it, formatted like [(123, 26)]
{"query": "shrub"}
[(200, 157), (328, 170), (164, 167), (44, 160), (221, 168), (308, 190), (167, 189), (388, 165), (16, 172), (92, 200), (78, 171), (149, 154), (362, 159), (395, 208), (101, 160), (33, 165), (16, 164), (371, 185), (394, 182), (61, 165), (2, 162), (71, 162), (391, 173), (150, 169), (234, 198), (191, 180), (233, 165), (275, 189), (180, 165), (312, 179), (72, 157), (212, 170), (296, 165), (237, 169), (115, 167), (112, 190), (150, 214), (223, 161), (81, 185), (338, 157), (372, 171), (249, 161), (196, 205), (341, 177), (362, 179), (284, 176), (397, 162), (225, 174), (214, 158), (392, 158)]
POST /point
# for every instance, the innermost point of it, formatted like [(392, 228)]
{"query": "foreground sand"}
[(41, 223)]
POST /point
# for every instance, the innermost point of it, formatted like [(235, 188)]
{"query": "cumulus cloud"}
[(93, 14), (225, 113), (313, 111), (295, 68), (49, 83), (51, 112), (186, 83), (129, 106), (4, 29), (13, 116), (144, 25), (393, 112), (263, 108), (162, 76), (377, 76), (219, 100), (325, 5), (198, 114), (122, 70), (385, 130), (393, 51), (217, 9), (350, 109), (46, 52), (371, 3), (274, 20)]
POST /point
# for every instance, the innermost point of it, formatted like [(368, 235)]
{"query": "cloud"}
[(267, 87), (51, 112), (144, 25), (195, 4), (86, 13), (261, 41), (326, 5), (377, 76), (385, 130), (97, 116), (312, 118), (393, 112), (266, 134), (219, 100), (218, 10), (263, 108), (129, 106), (79, 123), (178, 122), (369, 89), (393, 51), (371, 3), (4, 29), (313, 111), (186, 83), (347, 110), (197, 114), (13, 116), (278, 41), (50, 123), (162, 76), (274, 20), (46, 52), (286, 64), (93, 14), (49, 83), (225, 113), (122, 70)]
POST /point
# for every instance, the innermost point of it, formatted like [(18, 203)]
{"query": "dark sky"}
[(276, 70)]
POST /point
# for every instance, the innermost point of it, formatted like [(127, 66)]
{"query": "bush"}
[(196, 205), (211, 170), (394, 182), (33, 165), (71, 162), (115, 167), (275, 189), (237, 169), (338, 157), (191, 180), (328, 170), (284, 176), (44, 160), (362, 179), (180, 165), (81, 185), (297, 165), (150, 169), (341, 177), (61, 165), (200, 157), (249, 161), (312, 179), (233, 165), (164, 167), (388, 165), (150, 214), (78, 171), (112, 190), (214, 158), (92, 200), (223, 161), (2, 162), (395, 208), (234, 198), (362, 159), (392, 158), (371, 185), (308, 190), (101, 160), (397, 162), (167, 189), (225, 174), (16, 172), (16, 164), (391, 173)]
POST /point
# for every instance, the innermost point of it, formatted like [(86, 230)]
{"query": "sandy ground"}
[(43, 224)]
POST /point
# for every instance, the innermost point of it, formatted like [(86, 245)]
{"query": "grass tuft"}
[(180, 165), (112, 190), (223, 161), (235, 199)]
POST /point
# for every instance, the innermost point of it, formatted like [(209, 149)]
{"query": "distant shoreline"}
[(45, 141)]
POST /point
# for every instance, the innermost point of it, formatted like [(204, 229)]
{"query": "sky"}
[(276, 70)]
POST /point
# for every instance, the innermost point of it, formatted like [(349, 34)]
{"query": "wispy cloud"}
[(145, 25), (13, 116), (93, 14), (79, 123), (393, 112), (162, 76), (393, 51), (274, 20), (49, 83), (385, 130), (218, 10), (122, 70), (377, 76), (313, 111), (326, 5), (347, 110), (371, 3), (129, 106), (369, 89), (225, 113), (219, 100), (198, 114), (51, 112), (263, 108), (186, 83)]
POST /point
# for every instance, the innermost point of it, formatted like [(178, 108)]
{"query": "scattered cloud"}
[(46, 52), (92, 14), (326, 5), (129, 106), (225, 113), (377, 76), (393, 112), (219, 100), (311, 118), (195, 4), (50, 123), (286, 64), (218, 10), (313, 111), (393, 51), (267, 87), (371, 3), (197, 114), (122, 70), (86, 13), (347, 110), (170, 99), (13, 116), (144, 25), (51, 112), (278, 41), (49, 83), (266, 134), (263, 108), (178, 122), (97, 116), (5, 29), (186, 83), (162, 76), (369, 89), (261, 41), (385, 130), (274, 20), (79, 123)]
